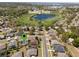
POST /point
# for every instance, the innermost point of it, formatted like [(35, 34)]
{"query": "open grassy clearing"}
[(29, 21)]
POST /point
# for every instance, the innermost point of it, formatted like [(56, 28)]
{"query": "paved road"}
[(45, 50)]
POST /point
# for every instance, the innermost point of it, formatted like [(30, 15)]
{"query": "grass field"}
[(28, 20)]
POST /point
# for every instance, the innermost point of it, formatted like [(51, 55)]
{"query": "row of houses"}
[(39, 11)]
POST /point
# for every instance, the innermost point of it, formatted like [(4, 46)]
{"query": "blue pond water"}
[(42, 16)]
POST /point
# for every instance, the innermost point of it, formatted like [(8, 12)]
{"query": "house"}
[(32, 52), (54, 42), (32, 42), (10, 35), (2, 37), (12, 44), (17, 54), (62, 55), (52, 32), (1, 22), (59, 50), (70, 40)]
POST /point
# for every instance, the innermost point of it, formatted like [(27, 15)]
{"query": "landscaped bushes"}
[(76, 42)]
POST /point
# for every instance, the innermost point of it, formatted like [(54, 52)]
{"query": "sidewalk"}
[(73, 51)]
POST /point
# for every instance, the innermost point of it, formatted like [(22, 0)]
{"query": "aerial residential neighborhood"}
[(39, 29)]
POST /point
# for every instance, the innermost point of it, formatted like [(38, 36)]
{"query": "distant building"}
[(39, 11)]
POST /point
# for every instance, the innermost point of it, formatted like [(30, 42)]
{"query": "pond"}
[(43, 16)]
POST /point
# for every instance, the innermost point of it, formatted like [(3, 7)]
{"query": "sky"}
[(75, 1)]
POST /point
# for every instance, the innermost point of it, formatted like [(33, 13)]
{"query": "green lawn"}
[(28, 20)]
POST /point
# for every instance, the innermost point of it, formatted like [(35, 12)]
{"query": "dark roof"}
[(19, 33), (59, 48)]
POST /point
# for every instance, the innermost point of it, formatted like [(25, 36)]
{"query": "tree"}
[(76, 42), (65, 36)]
